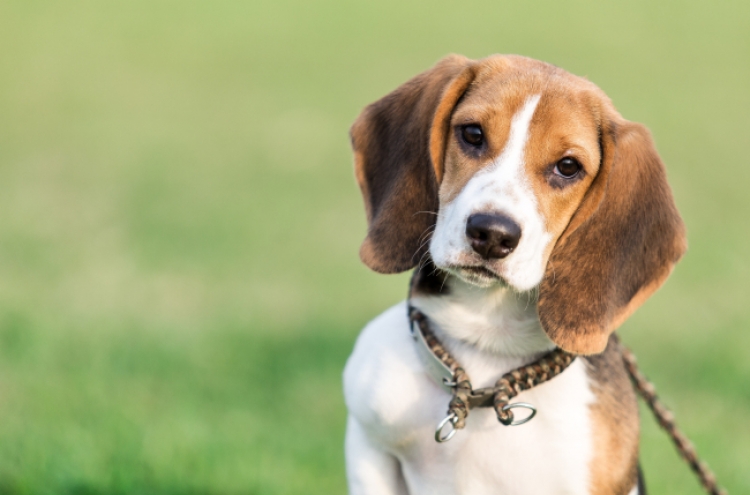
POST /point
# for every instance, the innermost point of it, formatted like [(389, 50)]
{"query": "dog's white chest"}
[(396, 405)]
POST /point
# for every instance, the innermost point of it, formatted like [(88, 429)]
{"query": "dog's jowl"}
[(535, 217)]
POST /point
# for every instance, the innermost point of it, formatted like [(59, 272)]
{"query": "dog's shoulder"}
[(614, 420), (385, 385), (385, 342)]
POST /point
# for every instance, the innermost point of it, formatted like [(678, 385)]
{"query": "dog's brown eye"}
[(472, 134), (567, 167)]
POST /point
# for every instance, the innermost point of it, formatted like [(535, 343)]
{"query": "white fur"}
[(394, 407), (500, 187), (494, 319)]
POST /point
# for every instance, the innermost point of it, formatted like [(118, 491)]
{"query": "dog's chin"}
[(478, 276)]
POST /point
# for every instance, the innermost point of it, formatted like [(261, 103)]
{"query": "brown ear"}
[(399, 142), (619, 247)]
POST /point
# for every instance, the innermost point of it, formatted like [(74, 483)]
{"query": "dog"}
[(537, 218)]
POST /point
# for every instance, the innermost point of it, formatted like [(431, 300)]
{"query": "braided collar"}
[(447, 372)]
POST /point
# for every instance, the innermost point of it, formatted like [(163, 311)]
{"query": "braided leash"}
[(665, 418), (464, 397)]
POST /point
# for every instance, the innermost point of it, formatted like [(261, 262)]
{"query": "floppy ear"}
[(399, 143), (619, 247)]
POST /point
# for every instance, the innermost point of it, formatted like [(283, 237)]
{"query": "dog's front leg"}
[(369, 469)]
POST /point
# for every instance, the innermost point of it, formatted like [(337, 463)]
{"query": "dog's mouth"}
[(476, 275)]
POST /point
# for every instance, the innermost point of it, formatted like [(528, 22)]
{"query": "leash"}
[(665, 418), (451, 376)]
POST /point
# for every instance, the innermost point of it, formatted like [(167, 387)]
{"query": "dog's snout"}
[(492, 236)]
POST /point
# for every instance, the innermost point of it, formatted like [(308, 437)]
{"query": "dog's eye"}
[(567, 167), (472, 134)]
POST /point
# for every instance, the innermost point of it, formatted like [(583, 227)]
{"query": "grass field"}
[(179, 226)]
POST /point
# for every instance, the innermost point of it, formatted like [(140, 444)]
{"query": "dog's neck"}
[(495, 321)]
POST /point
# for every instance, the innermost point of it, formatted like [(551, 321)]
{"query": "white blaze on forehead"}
[(519, 134), (500, 188)]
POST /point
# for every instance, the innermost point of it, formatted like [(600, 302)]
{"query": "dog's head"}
[(512, 171)]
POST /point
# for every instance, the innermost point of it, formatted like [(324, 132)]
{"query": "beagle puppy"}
[(536, 217)]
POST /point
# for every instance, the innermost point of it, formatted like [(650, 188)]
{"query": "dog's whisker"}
[(423, 261), (424, 238)]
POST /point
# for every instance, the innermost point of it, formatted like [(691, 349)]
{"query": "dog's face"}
[(518, 162), (511, 171)]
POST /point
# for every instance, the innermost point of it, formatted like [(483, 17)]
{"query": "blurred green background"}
[(179, 226)]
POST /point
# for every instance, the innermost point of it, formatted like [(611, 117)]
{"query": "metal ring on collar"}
[(449, 383), (452, 419), (523, 405)]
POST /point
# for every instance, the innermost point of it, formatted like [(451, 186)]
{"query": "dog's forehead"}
[(566, 118), (504, 83)]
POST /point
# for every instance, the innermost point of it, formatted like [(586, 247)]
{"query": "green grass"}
[(179, 225)]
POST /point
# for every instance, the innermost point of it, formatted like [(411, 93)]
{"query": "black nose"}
[(492, 236)]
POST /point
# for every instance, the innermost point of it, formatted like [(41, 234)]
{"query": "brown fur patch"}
[(616, 431), (565, 125)]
